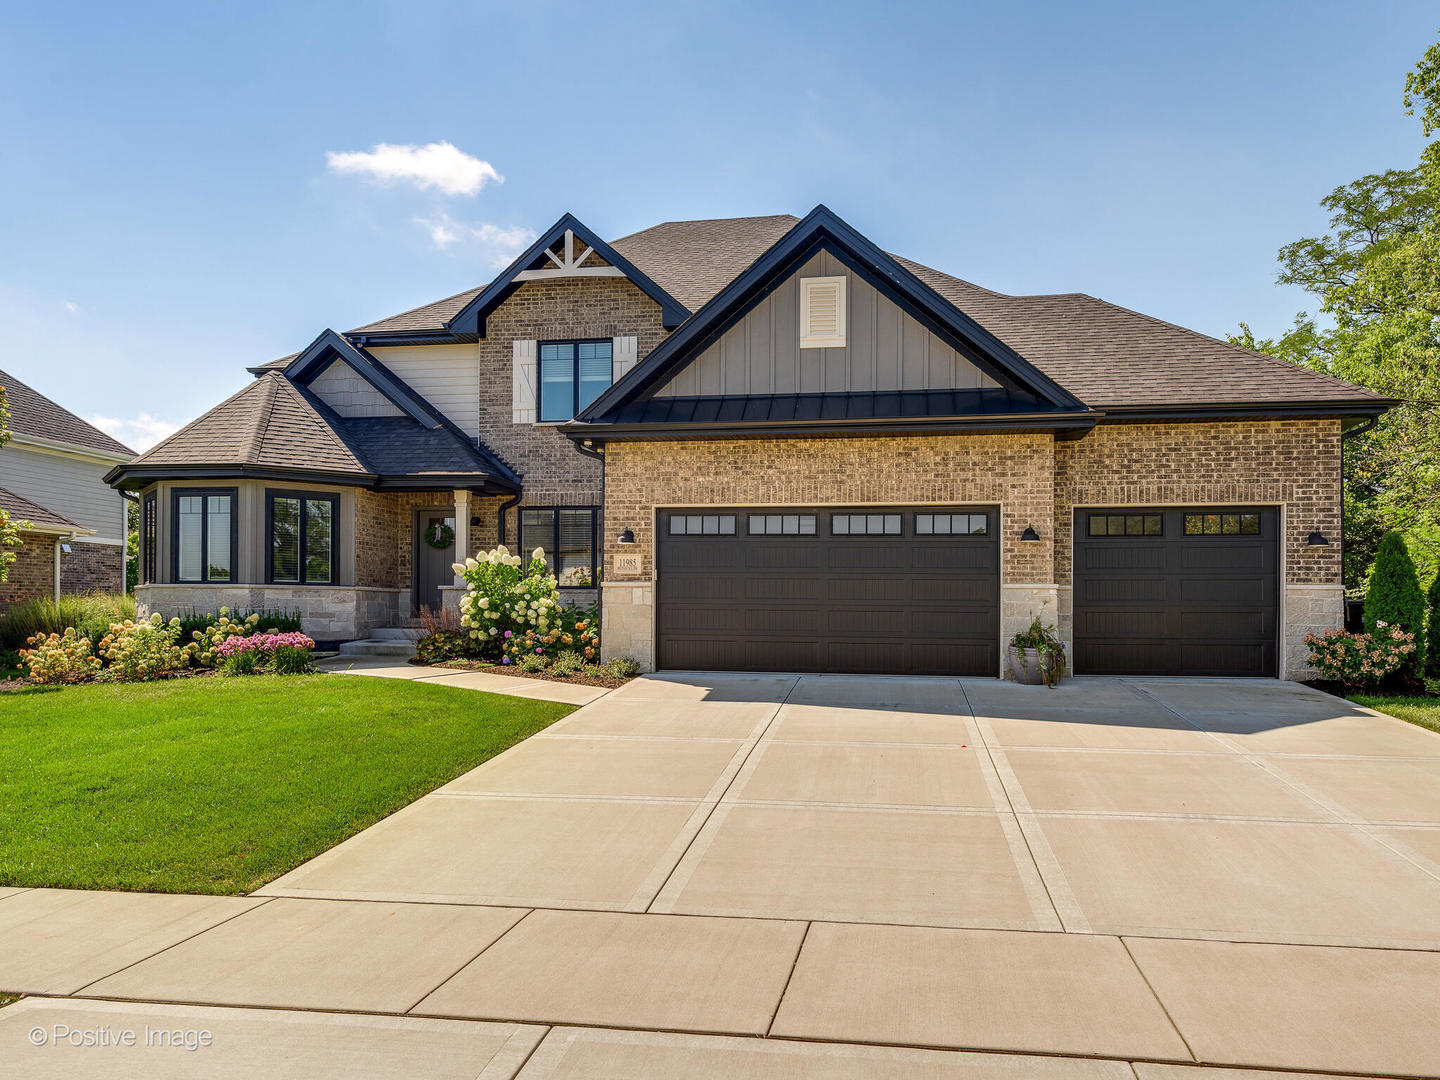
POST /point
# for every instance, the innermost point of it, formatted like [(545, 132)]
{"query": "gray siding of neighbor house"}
[(885, 349), (342, 388), (68, 485)]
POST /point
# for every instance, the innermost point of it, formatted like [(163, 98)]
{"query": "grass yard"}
[(1421, 711), (215, 785)]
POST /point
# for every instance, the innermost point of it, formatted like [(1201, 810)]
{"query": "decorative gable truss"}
[(567, 264)]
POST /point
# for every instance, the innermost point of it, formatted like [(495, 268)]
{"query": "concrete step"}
[(378, 647), (397, 633)]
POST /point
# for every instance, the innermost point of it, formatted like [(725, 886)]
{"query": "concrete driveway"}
[(778, 876)]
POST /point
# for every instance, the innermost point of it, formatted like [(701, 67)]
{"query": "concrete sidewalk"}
[(513, 685), (772, 876)]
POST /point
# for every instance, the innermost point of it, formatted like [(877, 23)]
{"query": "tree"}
[(132, 545), (1376, 276), (1432, 631), (9, 530), (1394, 595)]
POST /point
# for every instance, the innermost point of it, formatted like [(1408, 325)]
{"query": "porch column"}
[(462, 529)]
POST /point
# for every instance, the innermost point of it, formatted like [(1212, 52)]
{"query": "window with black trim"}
[(203, 534), (865, 524), (782, 525), (149, 530), (702, 524), (567, 533), (1127, 525), (304, 537), (1222, 524), (952, 524), (572, 375)]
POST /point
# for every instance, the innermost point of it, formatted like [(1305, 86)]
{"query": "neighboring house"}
[(795, 452), (52, 476)]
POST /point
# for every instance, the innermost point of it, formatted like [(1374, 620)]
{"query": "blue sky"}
[(169, 214)]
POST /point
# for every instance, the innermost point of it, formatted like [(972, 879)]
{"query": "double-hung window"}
[(567, 534), (204, 534), (572, 375), (303, 537), (149, 519)]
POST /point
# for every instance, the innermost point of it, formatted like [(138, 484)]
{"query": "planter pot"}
[(1030, 667)]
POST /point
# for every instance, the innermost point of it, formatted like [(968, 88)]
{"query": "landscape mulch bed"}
[(543, 676)]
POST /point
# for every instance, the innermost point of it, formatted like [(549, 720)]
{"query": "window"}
[(702, 524), (572, 375), (203, 534), (568, 536), (952, 524), (303, 537), (782, 525), (1222, 524), (1126, 525), (149, 527), (865, 524), (822, 312)]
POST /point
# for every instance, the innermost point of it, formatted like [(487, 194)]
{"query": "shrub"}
[(90, 615), (533, 662), (244, 662), (1432, 631), (1393, 596), (508, 597), (143, 650), (262, 652), (567, 664), (568, 629), (291, 660), (446, 639), (60, 658), (620, 667), (208, 637), (1360, 659)]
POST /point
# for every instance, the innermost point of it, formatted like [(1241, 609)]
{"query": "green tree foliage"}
[(132, 545), (1394, 595), (1432, 631), (1376, 275)]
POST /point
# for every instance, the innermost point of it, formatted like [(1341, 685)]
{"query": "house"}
[(766, 444), (52, 478)]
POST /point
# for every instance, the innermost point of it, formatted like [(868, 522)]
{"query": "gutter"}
[(583, 433)]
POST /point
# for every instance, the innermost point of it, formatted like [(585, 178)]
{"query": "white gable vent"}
[(822, 313)]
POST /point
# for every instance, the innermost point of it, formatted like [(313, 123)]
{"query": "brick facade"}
[(33, 571), (92, 568)]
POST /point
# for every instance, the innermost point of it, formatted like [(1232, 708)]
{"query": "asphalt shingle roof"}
[(22, 509), (1106, 355), (33, 414)]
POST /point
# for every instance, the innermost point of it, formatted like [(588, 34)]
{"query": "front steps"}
[(387, 641)]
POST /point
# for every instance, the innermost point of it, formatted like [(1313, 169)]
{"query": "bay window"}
[(304, 537), (204, 534)]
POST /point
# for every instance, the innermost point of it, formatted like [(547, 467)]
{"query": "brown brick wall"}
[(1012, 471), (92, 568), (33, 571), (377, 541), (1293, 463)]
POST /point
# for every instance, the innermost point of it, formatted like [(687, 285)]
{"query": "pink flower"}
[(509, 633)]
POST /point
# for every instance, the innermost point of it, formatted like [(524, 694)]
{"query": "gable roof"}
[(277, 429), (823, 230), (35, 415), (694, 260), (41, 517)]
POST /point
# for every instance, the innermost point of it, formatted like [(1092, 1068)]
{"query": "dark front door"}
[(1165, 591), (894, 591), (432, 565)]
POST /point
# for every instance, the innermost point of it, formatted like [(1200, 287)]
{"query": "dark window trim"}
[(176, 494), (553, 548), (985, 532), (1142, 513), (862, 512), (1258, 513), (149, 535), (333, 498), (783, 513), (575, 411)]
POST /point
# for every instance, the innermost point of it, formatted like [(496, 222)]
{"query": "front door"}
[(432, 564)]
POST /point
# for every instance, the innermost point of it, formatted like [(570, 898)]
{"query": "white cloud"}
[(71, 307), (434, 165), (139, 433), (500, 243)]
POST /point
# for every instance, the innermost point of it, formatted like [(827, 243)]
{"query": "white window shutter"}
[(822, 313), (625, 351), (523, 399)]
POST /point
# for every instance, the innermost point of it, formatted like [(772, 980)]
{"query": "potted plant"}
[(1037, 655)]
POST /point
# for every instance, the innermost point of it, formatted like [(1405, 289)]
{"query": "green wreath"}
[(439, 536)]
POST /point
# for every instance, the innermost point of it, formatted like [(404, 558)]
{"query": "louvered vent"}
[(822, 313)]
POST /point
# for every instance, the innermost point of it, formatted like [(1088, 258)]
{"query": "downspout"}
[(599, 455), (501, 512)]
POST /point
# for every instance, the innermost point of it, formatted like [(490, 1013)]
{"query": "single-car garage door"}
[(1165, 591), (892, 591)]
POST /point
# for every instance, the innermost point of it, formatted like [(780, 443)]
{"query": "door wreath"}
[(439, 535)]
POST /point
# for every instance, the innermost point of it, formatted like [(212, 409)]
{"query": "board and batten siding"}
[(350, 394), (885, 349), (447, 376), (69, 485)]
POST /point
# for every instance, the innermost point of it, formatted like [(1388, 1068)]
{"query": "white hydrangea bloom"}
[(458, 567), (472, 563)]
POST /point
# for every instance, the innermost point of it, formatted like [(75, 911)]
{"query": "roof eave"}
[(1069, 422), (131, 478), (1250, 410)]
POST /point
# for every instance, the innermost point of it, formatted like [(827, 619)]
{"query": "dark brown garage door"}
[(892, 591), (1176, 591)]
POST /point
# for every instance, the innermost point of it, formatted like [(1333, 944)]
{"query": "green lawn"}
[(1421, 711), (217, 785)]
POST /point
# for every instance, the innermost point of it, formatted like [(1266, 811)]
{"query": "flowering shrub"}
[(209, 638), (53, 658), (148, 649), (281, 654), (568, 629), (1360, 659), (508, 597)]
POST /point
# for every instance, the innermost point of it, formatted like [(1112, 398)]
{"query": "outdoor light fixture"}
[(1316, 538), (626, 537), (65, 548), (1029, 534)]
